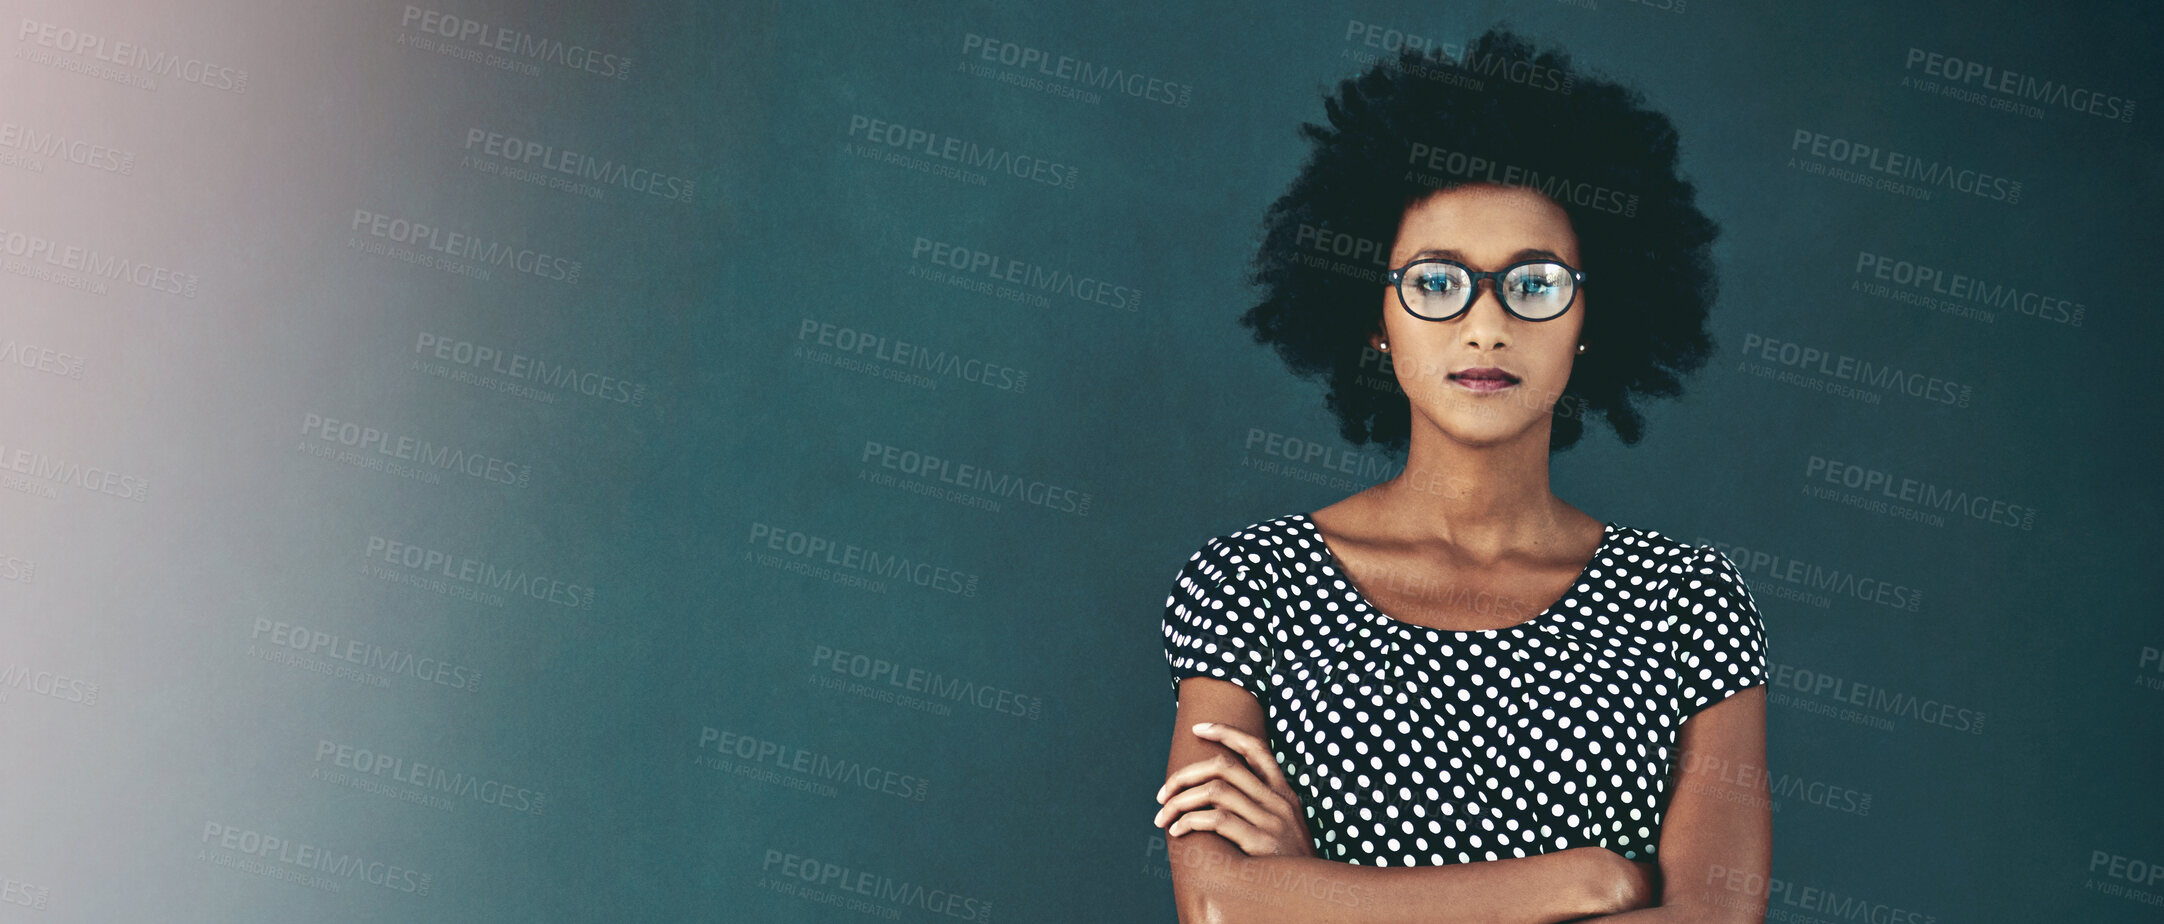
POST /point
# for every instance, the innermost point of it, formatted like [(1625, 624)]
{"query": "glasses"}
[(1435, 289)]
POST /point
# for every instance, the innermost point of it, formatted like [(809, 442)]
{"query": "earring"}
[(1384, 345), (1581, 348)]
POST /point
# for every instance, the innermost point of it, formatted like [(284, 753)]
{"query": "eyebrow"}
[(1529, 253)]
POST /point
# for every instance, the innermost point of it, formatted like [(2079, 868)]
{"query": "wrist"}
[(1604, 882)]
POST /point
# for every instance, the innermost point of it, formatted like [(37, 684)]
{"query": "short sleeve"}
[(1721, 641), (1215, 624)]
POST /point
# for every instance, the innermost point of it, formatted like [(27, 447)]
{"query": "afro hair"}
[(1496, 111)]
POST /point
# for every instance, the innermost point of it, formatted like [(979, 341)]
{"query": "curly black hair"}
[(1498, 111)]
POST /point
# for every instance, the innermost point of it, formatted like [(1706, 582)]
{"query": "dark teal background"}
[(2048, 633), (2039, 630)]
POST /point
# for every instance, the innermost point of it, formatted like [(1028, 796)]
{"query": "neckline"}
[(1608, 532)]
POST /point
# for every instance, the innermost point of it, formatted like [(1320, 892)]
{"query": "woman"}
[(1453, 695)]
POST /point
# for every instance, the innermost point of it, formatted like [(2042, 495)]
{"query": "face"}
[(1485, 227)]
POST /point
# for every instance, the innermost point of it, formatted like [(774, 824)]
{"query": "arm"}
[(1717, 838), (1214, 879)]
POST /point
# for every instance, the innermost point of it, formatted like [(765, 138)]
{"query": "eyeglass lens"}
[(1536, 291)]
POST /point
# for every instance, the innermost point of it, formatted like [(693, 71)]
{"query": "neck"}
[(1491, 497)]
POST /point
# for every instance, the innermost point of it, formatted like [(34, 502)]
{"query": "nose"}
[(1486, 322)]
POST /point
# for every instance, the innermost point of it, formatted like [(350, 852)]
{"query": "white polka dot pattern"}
[(1413, 746)]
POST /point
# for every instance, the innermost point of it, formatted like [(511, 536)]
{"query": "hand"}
[(1247, 801)]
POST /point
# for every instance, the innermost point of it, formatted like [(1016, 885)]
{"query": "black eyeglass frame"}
[(1472, 290)]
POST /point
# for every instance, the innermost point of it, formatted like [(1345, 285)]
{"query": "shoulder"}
[(1709, 609), (1249, 557), (1652, 550), (1682, 570), (1248, 546)]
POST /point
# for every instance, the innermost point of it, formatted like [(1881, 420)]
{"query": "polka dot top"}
[(1413, 746)]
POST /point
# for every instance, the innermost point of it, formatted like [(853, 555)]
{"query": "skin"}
[(1469, 537)]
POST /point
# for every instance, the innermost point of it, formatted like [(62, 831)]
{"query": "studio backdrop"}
[(473, 460)]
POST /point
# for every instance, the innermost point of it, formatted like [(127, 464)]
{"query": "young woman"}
[(1453, 696)]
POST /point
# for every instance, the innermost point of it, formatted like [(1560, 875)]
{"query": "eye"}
[(1538, 281), (1435, 280)]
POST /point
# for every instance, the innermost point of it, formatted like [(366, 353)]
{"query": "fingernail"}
[(1201, 726)]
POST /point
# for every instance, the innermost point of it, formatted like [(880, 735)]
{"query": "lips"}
[(1484, 380)]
